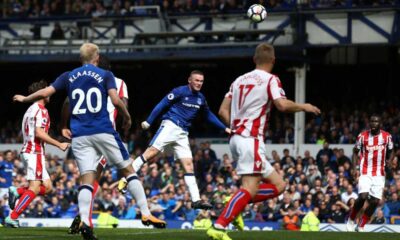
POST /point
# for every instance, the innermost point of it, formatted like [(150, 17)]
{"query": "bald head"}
[(89, 53)]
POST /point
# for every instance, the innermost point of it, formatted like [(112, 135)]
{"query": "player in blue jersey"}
[(182, 105), (92, 132)]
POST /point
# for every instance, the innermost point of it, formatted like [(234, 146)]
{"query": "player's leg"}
[(86, 157), (272, 186), (26, 198), (250, 167), (116, 153), (150, 153), (364, 185), (375, 195)]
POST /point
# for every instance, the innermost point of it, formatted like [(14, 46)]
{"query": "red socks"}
[(265, 191), (364, 220), (235, 206), (23, 203), (42, 191)]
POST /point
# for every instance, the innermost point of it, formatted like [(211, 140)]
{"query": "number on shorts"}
[(80, 94)]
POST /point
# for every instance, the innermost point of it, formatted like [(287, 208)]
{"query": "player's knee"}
[(281, 186), (363, 196)]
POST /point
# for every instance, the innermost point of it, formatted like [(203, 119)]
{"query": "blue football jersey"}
[(183, 106), (87, 88)]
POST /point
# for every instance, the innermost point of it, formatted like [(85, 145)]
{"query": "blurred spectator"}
[(291, 221), (311, 222), (57, 32), (379, 218), (348, 194)]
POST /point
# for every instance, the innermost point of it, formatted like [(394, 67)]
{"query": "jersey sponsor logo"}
[(191, 105), (94, 75), (170, 96), (258, 163), (375, 148)]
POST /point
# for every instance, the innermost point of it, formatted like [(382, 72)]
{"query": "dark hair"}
[(104, 62), (36, 86)]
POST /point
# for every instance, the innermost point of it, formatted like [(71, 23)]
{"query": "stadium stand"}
[(310, 184)]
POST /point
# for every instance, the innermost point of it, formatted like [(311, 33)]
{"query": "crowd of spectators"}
[(327, 181), (97, 8)]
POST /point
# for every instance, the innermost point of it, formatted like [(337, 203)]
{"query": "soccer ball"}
[(257, 13)]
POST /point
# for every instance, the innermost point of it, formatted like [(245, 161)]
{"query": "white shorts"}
[(174, 137), (36, 166), (88, 150), (250, 156), (373, 185)]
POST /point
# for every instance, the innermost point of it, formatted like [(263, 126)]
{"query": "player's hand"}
[(64, 146), (311, 109), (65, 132), (228, 131), (145, 125), (18, 98), (126, 125)]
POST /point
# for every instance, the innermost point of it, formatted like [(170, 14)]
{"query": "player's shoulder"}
[(118, 81), (385, 134)]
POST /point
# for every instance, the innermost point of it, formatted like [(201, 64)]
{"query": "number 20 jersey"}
[(252, 97), (87, 88)]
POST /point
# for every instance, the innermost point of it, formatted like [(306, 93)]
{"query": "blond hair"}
[(264, 53), (88, 52)]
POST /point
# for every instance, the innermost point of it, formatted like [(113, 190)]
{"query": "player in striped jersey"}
[(35, 127), (247, 107), (372, 147)]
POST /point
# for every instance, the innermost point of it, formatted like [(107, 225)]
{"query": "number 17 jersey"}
[(252, 97), (87, 88)]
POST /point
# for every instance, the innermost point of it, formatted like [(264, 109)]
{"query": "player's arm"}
[(283, 104), (225, 110), (356, 151), (390, 151), (58, 84), (42, 135), (42, 93), (210, 116), (286, 105), (65, 115), (166, 102)]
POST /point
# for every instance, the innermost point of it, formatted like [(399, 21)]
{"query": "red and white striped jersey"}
[(122, 91), (252, 97), (36, 116), (373, 152)]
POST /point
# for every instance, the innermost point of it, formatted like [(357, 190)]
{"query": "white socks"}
[(135, 187), (138, 163), (190, 181), (85, 202)]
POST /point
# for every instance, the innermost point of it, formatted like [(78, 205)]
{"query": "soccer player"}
[(373, 146), (92, 132), (122, 91), (247, 107), (181, 105), (35, 127)]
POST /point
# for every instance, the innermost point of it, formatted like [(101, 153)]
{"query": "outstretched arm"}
[(286, 105), (42, 93)]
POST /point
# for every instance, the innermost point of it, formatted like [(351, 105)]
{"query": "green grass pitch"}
[(176, 234)]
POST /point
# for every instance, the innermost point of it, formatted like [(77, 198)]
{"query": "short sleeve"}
[(109, 80), (61, 82), (40, 119), (390, 142), (275, 89)]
